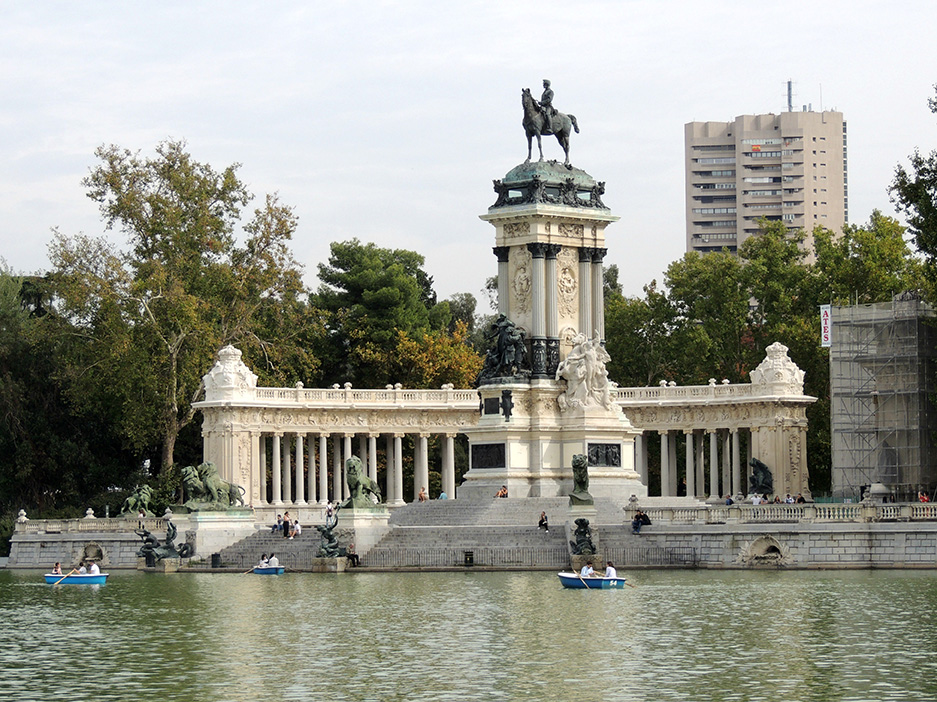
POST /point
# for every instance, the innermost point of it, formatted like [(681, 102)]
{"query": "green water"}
[(678, 635)]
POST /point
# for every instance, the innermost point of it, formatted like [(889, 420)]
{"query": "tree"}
[(428, 359), (50, 458), (914, 193), (647, 339), (709, 292), (865, 264), (148, 321), (370, 295)]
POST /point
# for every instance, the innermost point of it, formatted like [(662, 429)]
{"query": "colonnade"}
[(300, 464), (544, 328), (722, 457)]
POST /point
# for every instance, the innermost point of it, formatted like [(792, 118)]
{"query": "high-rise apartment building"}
[(788, 167)]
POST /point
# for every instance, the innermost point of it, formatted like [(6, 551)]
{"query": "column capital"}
[(598, 254), (585, 254), (502, 252), (538, 249), (553, 251)]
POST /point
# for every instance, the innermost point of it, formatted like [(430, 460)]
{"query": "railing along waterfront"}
[(792, 514), (98, 524)]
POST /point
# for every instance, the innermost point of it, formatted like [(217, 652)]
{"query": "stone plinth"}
[(329, 565), (363, 527), (531, 449), (210, 532)]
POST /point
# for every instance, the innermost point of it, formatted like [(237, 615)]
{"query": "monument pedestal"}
[(363, 527), (329, 565), (530, 446)]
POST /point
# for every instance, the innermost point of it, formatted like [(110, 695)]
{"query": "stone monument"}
[(550, 223)]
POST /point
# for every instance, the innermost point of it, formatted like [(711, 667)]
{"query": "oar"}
[(579, 575), (248, 571), (73, 570)]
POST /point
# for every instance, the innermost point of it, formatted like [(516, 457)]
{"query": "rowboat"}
[(269, 570), (76, 578), (575, 581)]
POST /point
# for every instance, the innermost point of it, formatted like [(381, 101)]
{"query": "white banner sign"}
[(826, 325)]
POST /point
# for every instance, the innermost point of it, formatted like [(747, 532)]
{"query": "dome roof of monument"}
[(550, 183), (549, 172)]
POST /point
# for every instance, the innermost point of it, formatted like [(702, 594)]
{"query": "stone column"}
[(552, 313), (713, 465), (503, 254), (736, 463), (672, 450), (701, 463), (389, 470), (300, 498), (372, 457), (598, 294), (538, 333), (398, 469), (664, 464), (363, 451), (276, 471), (640, 457), (690, 468), (263, 470), (726, 463), (421, 465), (336, 468), (346, 493), (311, 472), (323, 468), (585, 290), (448, 465), (287, 470)]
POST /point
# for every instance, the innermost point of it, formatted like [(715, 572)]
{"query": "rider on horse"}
[(546, 108)]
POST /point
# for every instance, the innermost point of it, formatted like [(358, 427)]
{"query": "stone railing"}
[(349, 396), (106, 525), (811, 513), (685, 393)]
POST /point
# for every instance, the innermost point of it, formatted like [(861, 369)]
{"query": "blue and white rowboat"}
[(573, 580), (269, 570), (76, 579)]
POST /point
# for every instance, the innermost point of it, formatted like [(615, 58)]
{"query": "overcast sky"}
[(387, 121)]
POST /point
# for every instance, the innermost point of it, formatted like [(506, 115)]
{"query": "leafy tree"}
[(865, 264), (647, 339), (709, 292), (370, 295), (148, 321), (914, 193), (50, 458), (428, 359)]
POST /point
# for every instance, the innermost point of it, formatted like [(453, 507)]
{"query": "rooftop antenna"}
[(790, 96)]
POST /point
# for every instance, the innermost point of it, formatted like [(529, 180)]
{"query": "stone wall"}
[(872, 545)]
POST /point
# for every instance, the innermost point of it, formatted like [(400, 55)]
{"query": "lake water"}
[(677, 635)]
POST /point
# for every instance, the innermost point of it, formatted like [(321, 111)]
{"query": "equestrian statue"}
[(541, 118)]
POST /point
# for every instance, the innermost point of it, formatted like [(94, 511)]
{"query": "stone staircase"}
[(500, 533), (295, 553)]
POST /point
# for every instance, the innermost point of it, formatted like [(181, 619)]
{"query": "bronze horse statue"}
[(563, 126)]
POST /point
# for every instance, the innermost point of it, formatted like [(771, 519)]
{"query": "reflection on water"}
[(690, 635)]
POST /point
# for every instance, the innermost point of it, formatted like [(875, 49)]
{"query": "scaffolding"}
[(883, 417)]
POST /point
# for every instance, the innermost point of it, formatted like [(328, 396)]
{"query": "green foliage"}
[(370, 295), (147, 322), (914, 192)]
